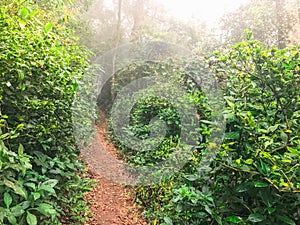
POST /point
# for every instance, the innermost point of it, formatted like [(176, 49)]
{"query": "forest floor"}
[(110, 202)]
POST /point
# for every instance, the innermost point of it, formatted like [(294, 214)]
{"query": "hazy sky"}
[(209, 10)]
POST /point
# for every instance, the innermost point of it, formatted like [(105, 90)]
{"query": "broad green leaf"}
[(260, 184), (21, 149), (232, 135), (48, 27), (283, 136), (191, 177), (22, 24), (233, 219), (273, 128), (229, 102), (293, 151), (50, 182), (46, 209), (20, 126), (19, 190), (17, 210), (7, 199), (249, 161), (36, 195), (262, 167), (271, 210), (24, 12), (31, 219), (31, 185), (8, 183), (266, 197), (244, 187), (47, 188), (208, 209), (256, 217), (286, 220), (207, 122), (12, 219), (168, 220)]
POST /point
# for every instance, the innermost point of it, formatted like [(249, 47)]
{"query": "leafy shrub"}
[(26, 194), (40, 69), (153, 104), (255, 177), (261, 146)]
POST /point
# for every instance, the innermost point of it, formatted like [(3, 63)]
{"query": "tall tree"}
[(117, 43), (281, 34), (138, 14), (270, 21)]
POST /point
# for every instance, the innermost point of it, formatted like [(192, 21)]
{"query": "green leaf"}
[(8, 183), (233, 219), (31, 219), (244, 187), (168, 220), (273, 128), (286, 220), (283, 136), (232, 135), (50, 182), (17, 210), (31, 185), (46, 209), (47, 188), (12, 219), (24, 205), (19, 190), (22, 24), (20, 126), (24, 12), (21, 149), (229, 102), (262, 167), (266, 197), (271, 210), (48, 27), (256, 217), (36, 195), (249, 161), (7, 199), (260, 184), (191, 177), (207, 209)]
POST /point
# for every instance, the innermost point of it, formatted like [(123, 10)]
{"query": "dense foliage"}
[(155, 103), (255, 177), (40, 68)]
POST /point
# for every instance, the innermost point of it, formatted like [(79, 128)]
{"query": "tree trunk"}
[(138, 20), (281, 35), (117, 43)]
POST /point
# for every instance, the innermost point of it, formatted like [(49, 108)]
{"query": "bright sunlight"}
[(209, 11)]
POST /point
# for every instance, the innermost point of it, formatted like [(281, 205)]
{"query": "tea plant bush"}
[(153, 103), (41, 65), (255, 177)]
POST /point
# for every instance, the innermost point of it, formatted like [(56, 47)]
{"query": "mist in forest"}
[(199, 26)]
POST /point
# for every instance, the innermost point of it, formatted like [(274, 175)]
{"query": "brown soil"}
[(111, 203)]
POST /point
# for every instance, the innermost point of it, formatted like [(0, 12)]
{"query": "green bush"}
[(153, 102), (262, 143), (255, 177), (41, 66)]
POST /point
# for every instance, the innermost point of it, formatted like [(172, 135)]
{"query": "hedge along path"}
[(110, 203)]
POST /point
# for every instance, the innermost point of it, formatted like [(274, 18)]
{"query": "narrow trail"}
[(111, 203)]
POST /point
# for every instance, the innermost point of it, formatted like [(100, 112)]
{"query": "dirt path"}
[(111, 203)]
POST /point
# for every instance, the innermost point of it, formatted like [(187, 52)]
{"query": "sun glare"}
[(208, 10)]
